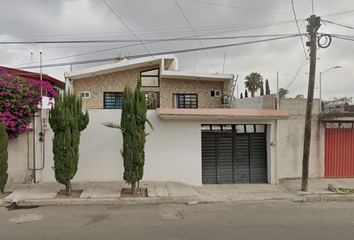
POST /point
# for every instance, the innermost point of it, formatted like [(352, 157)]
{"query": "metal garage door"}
[(339, 150), (234, 154)]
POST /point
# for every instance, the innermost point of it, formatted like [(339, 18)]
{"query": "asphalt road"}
[(257, 220)]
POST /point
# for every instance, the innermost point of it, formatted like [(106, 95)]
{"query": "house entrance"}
[(234, 154)]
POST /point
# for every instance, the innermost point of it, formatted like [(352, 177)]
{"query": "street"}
[(252, 220)]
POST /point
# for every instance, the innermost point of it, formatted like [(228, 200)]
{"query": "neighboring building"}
[(337, 105), (58, 85), (332, 136)]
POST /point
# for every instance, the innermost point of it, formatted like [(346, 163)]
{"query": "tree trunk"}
[(133, 188), (68, 188)]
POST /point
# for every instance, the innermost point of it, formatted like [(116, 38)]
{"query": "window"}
[(113, 100), (186, 100), (85, 94), (215, 93), (152, 100), (150, 78)]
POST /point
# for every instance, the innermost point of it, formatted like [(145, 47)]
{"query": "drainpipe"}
[(34, 148), (40, 114)]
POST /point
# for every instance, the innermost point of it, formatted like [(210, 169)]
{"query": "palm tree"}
[(253, 82)]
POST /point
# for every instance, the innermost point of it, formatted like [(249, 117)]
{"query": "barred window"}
[(186, 100), (113, 100)]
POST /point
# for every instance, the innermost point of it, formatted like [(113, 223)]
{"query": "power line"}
[(144, 40), (297, 73), (127, 27), (343, 38), (162, 53), (338, 13), (158, 32), (110, 49), (297, 24), (339, 24), (195, 34), (243, 8)]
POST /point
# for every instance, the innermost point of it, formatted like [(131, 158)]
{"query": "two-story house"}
[(197, 139)]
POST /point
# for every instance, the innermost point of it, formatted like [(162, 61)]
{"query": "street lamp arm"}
[(330, 69), (321, 84)]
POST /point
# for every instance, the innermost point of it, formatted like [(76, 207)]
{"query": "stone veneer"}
[(115, 82)]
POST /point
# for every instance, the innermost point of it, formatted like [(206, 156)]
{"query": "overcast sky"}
[(152, 21)]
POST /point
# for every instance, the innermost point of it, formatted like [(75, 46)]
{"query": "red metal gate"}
[(339, 150)]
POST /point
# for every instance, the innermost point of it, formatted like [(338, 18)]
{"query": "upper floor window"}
[(112, 100), (150, 78), (186, 100)]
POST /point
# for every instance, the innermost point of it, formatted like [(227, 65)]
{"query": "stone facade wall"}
[(115, 82)]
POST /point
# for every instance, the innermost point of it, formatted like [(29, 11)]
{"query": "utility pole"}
[(314, 24)]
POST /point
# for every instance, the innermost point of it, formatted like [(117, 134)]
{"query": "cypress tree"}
[(267, 87), (132, 125), (67, 121), (140, 118), (246, 93), (262, 88), (130, 135), (3, 156)]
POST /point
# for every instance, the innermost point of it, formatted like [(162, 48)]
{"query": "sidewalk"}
[(42, 194)]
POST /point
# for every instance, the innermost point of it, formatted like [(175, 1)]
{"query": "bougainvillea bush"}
[(19, 99)]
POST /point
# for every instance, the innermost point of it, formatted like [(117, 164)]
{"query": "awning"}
[(220, 113)]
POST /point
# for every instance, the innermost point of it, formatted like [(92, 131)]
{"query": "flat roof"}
[(196, 76), (220, 113)]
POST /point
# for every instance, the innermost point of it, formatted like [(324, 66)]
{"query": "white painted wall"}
[(173, 151), (21, 158)]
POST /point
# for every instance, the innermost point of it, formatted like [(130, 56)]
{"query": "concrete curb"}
[(328, 198), (126, 201), (100, 201)]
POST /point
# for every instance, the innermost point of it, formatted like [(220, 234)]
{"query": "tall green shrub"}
[(3, 156), (140, 119), (67, 121), (132, 125), (130, 135)]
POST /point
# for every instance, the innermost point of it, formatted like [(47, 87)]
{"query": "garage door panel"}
[(209, 159), (234, 157), (339, 152)]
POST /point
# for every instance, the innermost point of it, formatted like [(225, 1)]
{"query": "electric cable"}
[(297, 73), (160, 53), (195, 35), (242, 8), (127, 27), (297, 24)]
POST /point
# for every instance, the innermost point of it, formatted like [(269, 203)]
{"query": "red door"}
[(339, 150)]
